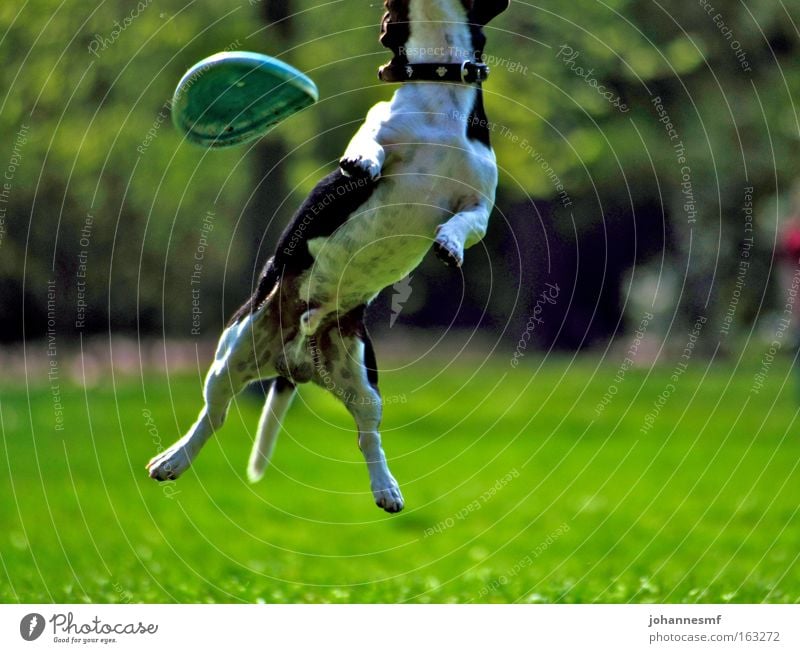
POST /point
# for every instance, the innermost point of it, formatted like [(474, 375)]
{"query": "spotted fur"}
[(419, 173)]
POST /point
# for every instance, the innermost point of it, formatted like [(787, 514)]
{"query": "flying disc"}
[(235, 97)]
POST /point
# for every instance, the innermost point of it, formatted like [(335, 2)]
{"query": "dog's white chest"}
[(432, 170), (388, 235)]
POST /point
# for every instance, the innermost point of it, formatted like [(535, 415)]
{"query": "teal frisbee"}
[(231, 98)]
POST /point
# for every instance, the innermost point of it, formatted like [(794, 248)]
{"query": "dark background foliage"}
[(97, 141)]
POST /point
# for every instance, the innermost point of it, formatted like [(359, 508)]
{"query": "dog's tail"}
[(281, 393)]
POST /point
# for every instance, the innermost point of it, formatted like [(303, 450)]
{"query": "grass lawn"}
[(516, 490)]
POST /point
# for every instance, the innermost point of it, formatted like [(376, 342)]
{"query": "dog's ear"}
[(394, 25), (483, 11)]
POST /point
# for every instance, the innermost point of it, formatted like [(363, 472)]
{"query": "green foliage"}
[(101, 143), (101, 140)]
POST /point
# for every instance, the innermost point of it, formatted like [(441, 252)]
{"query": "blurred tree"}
[(587, 190)]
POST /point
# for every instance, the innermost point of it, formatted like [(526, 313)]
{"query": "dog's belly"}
[(380, 243)]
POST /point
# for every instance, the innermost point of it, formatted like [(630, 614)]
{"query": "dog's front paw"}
[(360, 167), (448, 249), (170, 464), (388, 496)]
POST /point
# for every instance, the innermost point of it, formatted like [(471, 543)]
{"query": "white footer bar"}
[(402, 628)]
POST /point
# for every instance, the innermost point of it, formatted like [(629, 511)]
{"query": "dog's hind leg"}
[(234, 366), (345, 366), (281, 393)]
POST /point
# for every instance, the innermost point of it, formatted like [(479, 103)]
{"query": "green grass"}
[(701, 508)]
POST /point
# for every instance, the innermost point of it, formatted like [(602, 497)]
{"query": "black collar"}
[(467, 72)]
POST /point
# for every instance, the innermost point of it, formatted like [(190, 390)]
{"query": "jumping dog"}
[(420, 172)]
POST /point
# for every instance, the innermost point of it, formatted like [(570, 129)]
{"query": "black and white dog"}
[(420, 172)]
